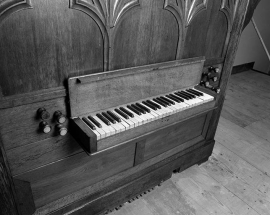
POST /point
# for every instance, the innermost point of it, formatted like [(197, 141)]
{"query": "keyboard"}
[(121, 118)]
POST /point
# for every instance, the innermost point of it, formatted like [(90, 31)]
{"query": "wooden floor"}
[(236, 178)]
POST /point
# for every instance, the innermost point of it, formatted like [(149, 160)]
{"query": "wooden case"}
[(43, 43)]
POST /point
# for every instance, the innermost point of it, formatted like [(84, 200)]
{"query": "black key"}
[(143, 107), (201, 94), (173, 98), (154, 104), (160, 102), (138, 108), (127, 112), (168, 100), (193, 93), (179, 97), (134, 110), (121, 113), (114, 116), (108, 117), (163, 100), (149, 105), (187, 94), (89, 123), (95, 121), (182, 95), (103, 119)]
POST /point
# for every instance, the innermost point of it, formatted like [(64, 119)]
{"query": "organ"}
[(102, 100)]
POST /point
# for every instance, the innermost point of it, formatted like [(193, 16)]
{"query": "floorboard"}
[(236, 178)]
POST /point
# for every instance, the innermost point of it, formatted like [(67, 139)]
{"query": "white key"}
[(205, 96), (128, 121), (123, 122), (101, 131), (109, 130), (152, 112), (176, 105), (99, 136), (123, 125), (137, 117), (165, 110)]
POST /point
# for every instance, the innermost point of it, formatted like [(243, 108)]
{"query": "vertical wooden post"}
[(228, 64), (7, 202)]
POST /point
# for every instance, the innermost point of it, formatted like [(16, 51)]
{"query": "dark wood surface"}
[(43, 43), (118, 87)]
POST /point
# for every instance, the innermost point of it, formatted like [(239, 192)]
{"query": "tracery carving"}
[(107, 14), (229, 7), (186, 10), (8, 7)]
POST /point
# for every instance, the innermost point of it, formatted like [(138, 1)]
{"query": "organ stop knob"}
[(59, 117), (43, 114), (61, 130), (45, 127)]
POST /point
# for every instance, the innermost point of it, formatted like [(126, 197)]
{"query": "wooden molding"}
[(242, 67), (106, 14), (184, 14), (8, 7), (229, 7), (7, 201)]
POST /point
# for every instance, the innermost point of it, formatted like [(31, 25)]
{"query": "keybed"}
[(124, 117)]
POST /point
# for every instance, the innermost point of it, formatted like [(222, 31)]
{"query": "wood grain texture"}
[(119, 87), (7, 198), (106, 14), (148, 35), (227, 67), (201, 30), (37, 154), (41, 47), (7, 7), (171, 137), (20, 125), (184, 12), (181, 160), (155, 126), (101, 188), (59, 179)]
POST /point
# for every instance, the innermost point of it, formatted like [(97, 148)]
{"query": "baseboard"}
[(242, 68)]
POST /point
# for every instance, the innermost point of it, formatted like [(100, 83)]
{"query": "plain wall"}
[(250, 48)]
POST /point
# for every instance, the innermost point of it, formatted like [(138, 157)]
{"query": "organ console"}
[(102, 100)]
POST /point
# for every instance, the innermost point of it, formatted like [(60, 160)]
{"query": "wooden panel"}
[(183, 161), (41, 47), (97, 190), (147, 35), (155, 126), (216, 39), (20, 125), (172, 137), (7, 202), (101, 91), (40, 153), (77, 172), (207, 33)]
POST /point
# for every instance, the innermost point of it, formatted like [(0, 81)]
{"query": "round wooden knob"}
[(45, 127), (59, 117), (62, 131), (215, 78), (43, 114), (216, 89), (217, 70), (214, 69)]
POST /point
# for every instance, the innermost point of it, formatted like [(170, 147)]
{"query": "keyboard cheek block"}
[(88, 140)]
